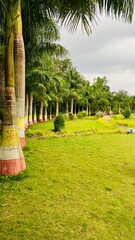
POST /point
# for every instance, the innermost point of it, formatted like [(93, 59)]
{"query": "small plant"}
[(71, 116), (81, 114), (127, 112), (59, 123)]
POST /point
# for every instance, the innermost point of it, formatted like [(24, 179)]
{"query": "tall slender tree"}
[(11, 155), (19, 67)]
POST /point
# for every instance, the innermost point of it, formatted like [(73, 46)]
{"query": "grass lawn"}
[(77, 187)]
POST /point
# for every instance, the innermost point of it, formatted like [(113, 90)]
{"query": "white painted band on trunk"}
[(21, 132), (12, 152)]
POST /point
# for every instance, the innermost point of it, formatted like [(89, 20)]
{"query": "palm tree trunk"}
[(45, 115), (57, 108), (50, 112), (35, 113), (72, 102), (67, 107), (11, 155), (19, 60), (2, 83), (119, 109), (26, 111), (41, 112), (31, 109)]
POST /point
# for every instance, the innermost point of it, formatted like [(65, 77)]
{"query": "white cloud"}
[(109, 51)]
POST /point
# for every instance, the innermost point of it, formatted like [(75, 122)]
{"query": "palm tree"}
[(120, 98), (11, 156), (19, 67)]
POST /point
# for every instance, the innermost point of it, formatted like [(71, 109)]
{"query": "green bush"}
[(1, 114), (127, 112), (59, 123), (81, 114), (71, 116), (98, 114)]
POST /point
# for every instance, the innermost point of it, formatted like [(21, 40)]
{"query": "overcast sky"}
[(109, 51)]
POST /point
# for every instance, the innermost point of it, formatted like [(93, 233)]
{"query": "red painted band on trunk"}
[(12, 167), (22, 141), (26, 125), (30, 123), (40, 120), (35, 121)]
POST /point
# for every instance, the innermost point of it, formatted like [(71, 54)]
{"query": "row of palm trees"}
[(36, 16), (71, 93)]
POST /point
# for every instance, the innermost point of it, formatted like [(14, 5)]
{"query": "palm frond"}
[(73, 12), (120, 8)]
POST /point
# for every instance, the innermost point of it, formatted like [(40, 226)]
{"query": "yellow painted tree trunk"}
[(11, 155), (35, 113), (41, 112), (45, 114), (19, 59), (31, 109), (26, 111)]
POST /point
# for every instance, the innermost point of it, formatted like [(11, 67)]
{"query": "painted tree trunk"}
[(11, 155), (50, 112), (87, 110), (2, 83), (45, 115), (119, 109), (67, 107), (35, 114), (41, 112), (31, 109), (26, 111), (110, 109), (72, 105), (19, 60), (57, 108)]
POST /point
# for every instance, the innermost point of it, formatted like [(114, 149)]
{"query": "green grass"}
[(75, 188), (85, 126)]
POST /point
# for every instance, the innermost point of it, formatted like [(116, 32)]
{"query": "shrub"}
[(98, 114), (81, 114), (59, 123), (127, 112), (107, 124), (71, 116)]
